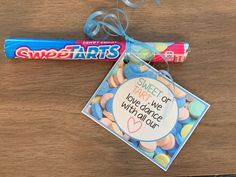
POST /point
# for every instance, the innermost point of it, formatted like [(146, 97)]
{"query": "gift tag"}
[(146, 110)]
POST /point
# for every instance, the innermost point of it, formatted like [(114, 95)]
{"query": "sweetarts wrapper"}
[(91, 50)]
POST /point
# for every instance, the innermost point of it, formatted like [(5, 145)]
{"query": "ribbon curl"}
[(109, 22), (136, 5)]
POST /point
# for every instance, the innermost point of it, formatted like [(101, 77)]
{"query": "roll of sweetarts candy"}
[(91, 50)]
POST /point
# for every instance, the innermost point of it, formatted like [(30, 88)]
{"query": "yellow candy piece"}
[(185, 130), (162, 159), (96, 99), (161, 46)]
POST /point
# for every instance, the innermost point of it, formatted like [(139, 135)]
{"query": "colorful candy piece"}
[(163, 80), (149, 154), (143, 68), (88, 110), (179, 139), (185, 130), (148, 146), (145, 54), (119, 77), (164, 141), (104, 88), (132, 70), (196, 108), (172, 151), (106, 121), (113, 90), (116, 129), (108, 115), (179, 93), (111, 82), (181, 102), (96, 99), (183, 114), (176, 129), (171, 143), (158, 150), (96, 110), (162, 159), (105, 98), (109, 105), (189, 98), (149, 74)]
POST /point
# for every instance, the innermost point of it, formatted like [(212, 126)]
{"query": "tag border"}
[(129, 143)]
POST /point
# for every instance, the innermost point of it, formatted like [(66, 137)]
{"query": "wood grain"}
[(42, 130)]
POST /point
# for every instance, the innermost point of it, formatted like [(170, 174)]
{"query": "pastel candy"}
[(179, 93), (176, 129), (88, 110), (111, 82), (163, 80), (116, 129), (181, 102), (162, 159), (172, 151), (132, 70), (189, 98), (158, 150), (148, 146), (106, 121), (109, 105), (179, 139), (113, 90), (171, 143), (183, 114), (149, 154), (164, 141), (186, 121), (96, 99), (108, 115), (104, 99), (145, 54), (103, 88), (185, 130), (96, 110), (119, 77), (143, 68), (196, 108)]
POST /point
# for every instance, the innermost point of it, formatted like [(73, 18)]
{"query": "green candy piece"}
[(196, 108), (145, 54), (149, 154)]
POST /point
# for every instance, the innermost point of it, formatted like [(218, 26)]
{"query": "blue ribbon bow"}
[(110, 24)]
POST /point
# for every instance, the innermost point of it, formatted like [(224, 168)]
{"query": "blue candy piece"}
[(132, 70), (158, 150), (134, 142), (149, 74), (179, 139), (172, 151), (177, 128), (109, 105), (186, 121), (104, 88), (181, 102), (96, 110), (113, 91)]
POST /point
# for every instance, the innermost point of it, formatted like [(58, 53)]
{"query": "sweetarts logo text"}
[(71, 52)]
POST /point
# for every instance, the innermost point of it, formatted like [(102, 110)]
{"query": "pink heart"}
[(133, 126)]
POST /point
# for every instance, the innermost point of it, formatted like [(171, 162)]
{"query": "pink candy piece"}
[(183, 114), (170, 144), (164, 141), (119, 76), (189, 98), (111, 82), (148, 146), (104, 99), (179, 93), (108, 115), (106, 121)]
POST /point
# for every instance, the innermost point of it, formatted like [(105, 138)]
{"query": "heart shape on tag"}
[(133, 126)]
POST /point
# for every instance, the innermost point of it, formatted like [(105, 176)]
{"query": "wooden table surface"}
[(42, 130)]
